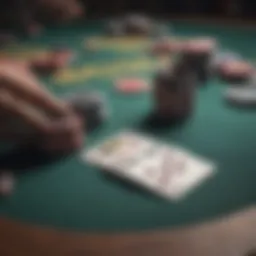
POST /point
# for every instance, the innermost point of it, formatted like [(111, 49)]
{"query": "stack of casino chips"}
[(199, 53), (174, 92), (236, 71), (135, 25), (115, 28), (165, 45), (91, 106), (138, 25)]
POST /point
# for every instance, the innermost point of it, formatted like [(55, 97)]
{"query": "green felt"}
[(73, 195)]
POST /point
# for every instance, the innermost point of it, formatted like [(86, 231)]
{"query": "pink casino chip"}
[(131, 85)]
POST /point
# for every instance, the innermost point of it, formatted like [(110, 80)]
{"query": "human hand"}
[(29, 112)]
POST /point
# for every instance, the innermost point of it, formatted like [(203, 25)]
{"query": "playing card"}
[(121, 147), (168, 171), (182, 171), (172, 172)]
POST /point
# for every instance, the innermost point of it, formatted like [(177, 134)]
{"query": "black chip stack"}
[(201, 62), (174, 92), (91, 106)]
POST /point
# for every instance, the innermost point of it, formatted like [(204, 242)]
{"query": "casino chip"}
[(131, 85), (253, 80), (225, 56), (241, 96), (91, 106), (136, 24), (198, 54), (165, 45), (115, 28), (160, 30), (222, 57), (200, 46), (161, 46), (236, 71)]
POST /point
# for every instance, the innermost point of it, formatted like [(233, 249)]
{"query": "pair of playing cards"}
[(168, 171)]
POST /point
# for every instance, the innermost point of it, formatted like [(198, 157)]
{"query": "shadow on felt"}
[(27, 158), (151, 123), (129, 185)]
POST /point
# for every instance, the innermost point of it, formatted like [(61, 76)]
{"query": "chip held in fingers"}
[(91, 107), (66, 135)]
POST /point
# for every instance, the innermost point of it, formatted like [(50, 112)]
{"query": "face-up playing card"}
[(181, 172), (117, 150), (168, 171)]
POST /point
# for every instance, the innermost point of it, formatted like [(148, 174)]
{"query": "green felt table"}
[(73, 195)]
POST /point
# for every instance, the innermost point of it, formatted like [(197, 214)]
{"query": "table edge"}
[(233, 233)]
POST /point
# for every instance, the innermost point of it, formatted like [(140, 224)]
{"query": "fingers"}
[(62, 136), (51, 63), (65, 136), (19, 109), (26, 86)]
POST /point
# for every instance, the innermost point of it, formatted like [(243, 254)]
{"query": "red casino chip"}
[(131, 85), (241, 68)]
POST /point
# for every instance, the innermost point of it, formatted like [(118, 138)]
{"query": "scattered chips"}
[(160, 30), (137, 24), (115, 28), (220, 58), (226, 56), (237, 67), (236, 71), (132, 85), (241, 96)]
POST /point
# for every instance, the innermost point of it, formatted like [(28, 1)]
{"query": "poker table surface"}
[(66, 200)]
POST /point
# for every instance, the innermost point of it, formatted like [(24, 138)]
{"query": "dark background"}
[(19, 14), (220, 8)]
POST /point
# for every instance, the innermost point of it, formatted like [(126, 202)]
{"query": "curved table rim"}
[(232, 235)]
